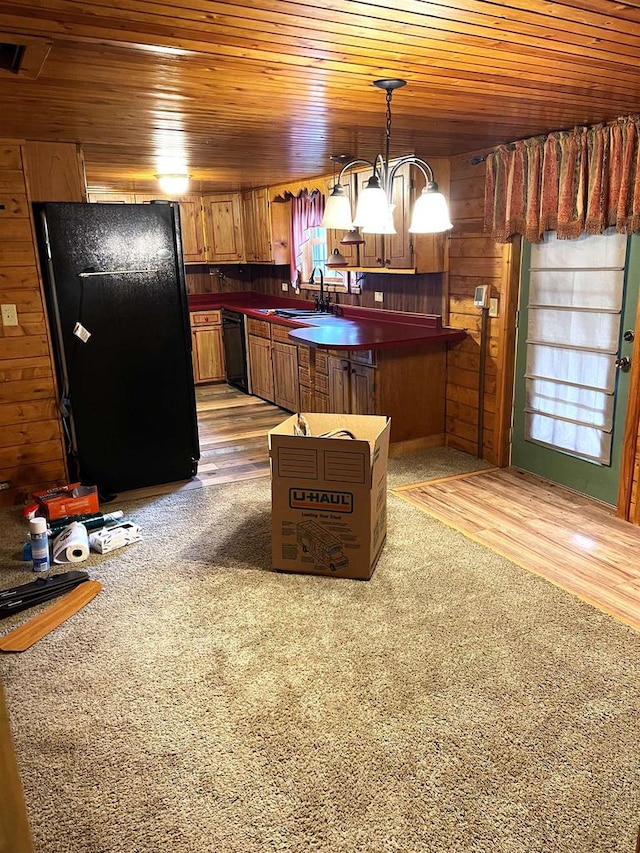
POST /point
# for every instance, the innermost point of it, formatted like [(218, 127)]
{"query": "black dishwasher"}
[(235, 349)]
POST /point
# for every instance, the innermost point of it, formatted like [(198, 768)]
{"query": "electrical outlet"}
[(493, 307), (9, 315), (378, 296), (284, 285)]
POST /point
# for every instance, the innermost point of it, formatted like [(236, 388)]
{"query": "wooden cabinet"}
[(257, 226), (194, 241), (352, 386), (286, 392), (223, 222), (192, 231), (273, 361), (261, 367), (321, 381), (407, 384), (225, 228), (207, 349)]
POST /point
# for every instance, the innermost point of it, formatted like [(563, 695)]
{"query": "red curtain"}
[(307, 210), (582, 180)]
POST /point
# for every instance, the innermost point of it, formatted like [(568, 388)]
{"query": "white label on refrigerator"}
[(80, 332)]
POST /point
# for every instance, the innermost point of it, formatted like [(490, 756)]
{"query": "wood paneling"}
[(474, 260), (31, 447), (55, 172), (132, 81)]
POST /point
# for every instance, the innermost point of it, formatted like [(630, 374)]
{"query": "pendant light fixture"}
[(374, 210)]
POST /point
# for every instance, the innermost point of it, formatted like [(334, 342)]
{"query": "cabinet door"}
[(285, 376), (398, 247), (363, 390), (192, 229), (339, 401), (262, 226), (112, 198), (260, 365), (280, 221), (223, 217), (208, 354), (249, 226), (371, 252)]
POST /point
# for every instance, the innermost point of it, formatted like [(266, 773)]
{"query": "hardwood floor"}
[(569, 539), (233, 431)]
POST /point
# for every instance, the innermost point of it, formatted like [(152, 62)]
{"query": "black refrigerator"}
[(118, 313)]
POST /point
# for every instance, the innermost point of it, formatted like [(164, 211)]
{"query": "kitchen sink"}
[(294, 313)]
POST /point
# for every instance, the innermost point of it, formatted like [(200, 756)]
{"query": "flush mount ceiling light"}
[(174, 184), (374, 210)]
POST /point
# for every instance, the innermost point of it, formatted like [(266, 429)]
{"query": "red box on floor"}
[(74, 499)]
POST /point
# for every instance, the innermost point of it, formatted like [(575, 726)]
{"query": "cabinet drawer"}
[(304, 374), (206, 318), (304, 355), (322, 365), (262, 328), (322, 383), (363, 356), (321, 403), (280, 333)]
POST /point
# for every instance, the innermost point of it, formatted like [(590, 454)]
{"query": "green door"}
[(577, 300)]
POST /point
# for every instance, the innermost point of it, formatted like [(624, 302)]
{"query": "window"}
[(575, 304), (314, 256)]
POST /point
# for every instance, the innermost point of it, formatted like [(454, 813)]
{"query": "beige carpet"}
[(201, 702)]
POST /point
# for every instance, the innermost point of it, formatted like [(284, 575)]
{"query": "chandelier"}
[(374, 209)]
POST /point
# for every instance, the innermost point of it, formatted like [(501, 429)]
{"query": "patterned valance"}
[(582, 180)]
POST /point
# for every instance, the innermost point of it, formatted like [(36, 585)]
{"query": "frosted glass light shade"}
[(372, 212), (174, 184), (337, 211), (388, 226), (430, 213)]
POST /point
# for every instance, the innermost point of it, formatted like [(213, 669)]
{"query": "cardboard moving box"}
[(329, 495)]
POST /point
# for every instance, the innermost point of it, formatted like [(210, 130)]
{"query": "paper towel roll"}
[(72, 545)]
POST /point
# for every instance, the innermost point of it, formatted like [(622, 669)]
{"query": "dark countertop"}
[(353, 329)]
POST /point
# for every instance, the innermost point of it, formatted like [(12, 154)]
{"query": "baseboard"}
[(399, 448)]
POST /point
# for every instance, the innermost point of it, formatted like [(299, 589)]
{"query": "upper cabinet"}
[(223, 222), (420, 253), (191, 219)]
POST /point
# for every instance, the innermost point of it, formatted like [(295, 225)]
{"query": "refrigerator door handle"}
[(89, 273)]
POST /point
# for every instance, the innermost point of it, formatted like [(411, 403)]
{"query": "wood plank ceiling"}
[(263, 92)]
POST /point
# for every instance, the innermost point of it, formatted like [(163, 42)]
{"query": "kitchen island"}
[(360, 361)]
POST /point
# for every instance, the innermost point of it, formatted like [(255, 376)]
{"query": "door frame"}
[(628, 505)]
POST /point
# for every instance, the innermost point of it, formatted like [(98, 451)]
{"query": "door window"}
[(576, 292)]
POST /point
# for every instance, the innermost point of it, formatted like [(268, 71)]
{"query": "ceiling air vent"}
[(11, 56), (22, 56)]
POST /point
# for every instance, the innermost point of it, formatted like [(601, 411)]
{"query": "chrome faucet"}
[(321, 304)]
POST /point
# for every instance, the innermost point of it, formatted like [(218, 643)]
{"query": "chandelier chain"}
[(388, 131)]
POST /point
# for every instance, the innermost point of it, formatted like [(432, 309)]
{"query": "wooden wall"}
[(31, 441), (414, 293), (474, 260)]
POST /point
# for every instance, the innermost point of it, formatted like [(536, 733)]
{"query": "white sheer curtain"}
[(575, 302)]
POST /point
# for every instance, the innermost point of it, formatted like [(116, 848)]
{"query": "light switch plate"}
[(378, 296), (9, 315), (493, 307), (284, 285)]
